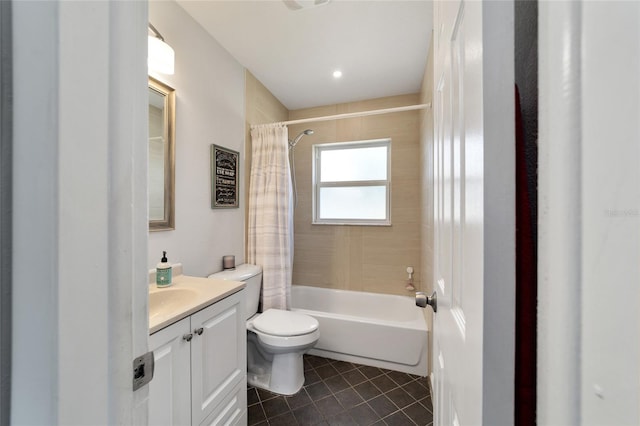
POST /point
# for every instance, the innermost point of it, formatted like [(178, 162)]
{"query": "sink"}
[(184, 297), (166, 300)]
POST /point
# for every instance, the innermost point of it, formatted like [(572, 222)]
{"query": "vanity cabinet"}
[(200, 368)]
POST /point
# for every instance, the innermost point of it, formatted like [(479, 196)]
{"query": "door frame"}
[(79, 211), (6, 181), (588, 328), (559, 223)]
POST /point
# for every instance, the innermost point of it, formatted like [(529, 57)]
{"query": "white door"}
[(474, 217), (589, 369)]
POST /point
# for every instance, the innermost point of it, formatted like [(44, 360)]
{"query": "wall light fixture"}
[(161, 57)]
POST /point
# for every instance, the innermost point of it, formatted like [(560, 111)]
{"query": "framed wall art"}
[(224, 177)]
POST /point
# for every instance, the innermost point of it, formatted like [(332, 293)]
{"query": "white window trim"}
[(317, 148)]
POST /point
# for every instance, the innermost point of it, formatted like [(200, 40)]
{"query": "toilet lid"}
[(285, 323)]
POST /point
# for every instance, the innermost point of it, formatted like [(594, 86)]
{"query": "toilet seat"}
[(278, 322), (284, 329), (286, 342)]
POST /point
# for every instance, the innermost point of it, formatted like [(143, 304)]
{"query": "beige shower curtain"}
[(270, 230)]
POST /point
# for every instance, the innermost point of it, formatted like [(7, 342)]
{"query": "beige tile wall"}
[(261, 107), (362, 258)]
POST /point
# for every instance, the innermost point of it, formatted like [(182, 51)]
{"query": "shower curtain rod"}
[(349, 115)]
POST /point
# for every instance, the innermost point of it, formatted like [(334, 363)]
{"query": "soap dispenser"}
[(163, 272)]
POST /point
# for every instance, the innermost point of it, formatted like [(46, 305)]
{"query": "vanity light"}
[(337, 74), (161, 57)]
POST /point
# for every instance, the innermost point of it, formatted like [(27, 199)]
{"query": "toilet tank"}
[(251, 275)]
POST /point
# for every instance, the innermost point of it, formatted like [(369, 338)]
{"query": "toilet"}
[(276, 339)]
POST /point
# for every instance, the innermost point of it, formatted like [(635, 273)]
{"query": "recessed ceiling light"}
[(337, 74)]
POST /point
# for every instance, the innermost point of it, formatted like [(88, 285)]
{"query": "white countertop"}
[(184, 297)]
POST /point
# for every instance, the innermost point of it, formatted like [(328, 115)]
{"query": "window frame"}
[(317, 184)]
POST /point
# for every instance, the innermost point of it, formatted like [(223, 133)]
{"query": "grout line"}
[(358, 367)]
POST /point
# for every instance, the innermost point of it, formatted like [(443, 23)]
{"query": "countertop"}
[(184, 297)]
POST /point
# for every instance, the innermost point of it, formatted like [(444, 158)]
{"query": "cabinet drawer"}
[(232, 410)]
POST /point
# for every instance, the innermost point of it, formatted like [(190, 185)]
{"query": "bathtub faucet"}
[(410, 286)]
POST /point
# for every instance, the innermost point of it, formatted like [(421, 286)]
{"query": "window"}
[(352, 181)]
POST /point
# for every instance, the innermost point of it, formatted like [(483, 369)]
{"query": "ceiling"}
[(380, 46)]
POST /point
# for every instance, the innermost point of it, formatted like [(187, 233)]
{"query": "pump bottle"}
[(163, 272)]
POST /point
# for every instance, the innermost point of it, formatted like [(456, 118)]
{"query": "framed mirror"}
[(161, 156)]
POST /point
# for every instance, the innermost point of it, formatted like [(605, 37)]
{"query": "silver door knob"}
[(423, 300), (198, 331), (187, 337)]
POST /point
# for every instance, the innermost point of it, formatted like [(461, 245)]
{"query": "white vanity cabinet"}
[(200, 368)]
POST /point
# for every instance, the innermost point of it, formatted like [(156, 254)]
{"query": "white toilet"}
[(276, 339)]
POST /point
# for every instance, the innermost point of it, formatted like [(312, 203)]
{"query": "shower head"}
[(297, 138)]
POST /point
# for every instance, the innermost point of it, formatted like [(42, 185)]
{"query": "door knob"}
[(188, 337), (423, 300), (199, 331)]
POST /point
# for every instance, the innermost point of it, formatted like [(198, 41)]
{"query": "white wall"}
[(209, 86)]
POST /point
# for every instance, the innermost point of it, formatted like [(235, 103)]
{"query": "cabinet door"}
[(218, 355), (170, 389)]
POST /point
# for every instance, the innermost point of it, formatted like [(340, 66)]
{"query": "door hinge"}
[(143, 367)]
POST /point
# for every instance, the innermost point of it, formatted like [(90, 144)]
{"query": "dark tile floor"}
[(342, 393)]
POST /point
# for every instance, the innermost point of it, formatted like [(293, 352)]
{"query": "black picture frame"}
[(224, 177)]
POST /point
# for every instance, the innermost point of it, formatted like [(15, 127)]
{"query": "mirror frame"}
[(168, 222)]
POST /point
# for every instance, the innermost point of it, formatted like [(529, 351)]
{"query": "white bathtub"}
[(367, 328)]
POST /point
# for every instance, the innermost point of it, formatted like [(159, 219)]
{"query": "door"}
[(474, 215)]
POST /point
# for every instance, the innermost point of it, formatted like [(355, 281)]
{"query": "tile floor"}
[(342, 393)]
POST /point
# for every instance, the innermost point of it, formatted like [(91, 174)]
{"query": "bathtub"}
[(380, 330)]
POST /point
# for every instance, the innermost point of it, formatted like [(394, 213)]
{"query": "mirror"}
[(161, 156)]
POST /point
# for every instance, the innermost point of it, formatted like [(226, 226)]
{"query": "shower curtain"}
[(270, 229)]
